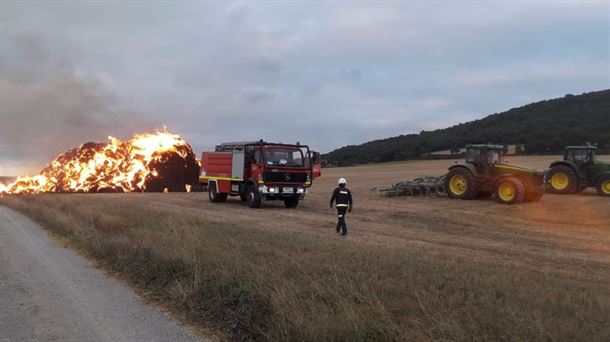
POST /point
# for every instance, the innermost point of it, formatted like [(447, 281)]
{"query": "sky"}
[(327, 74)]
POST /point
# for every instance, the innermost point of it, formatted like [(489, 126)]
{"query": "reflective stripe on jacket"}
[(342, 196)]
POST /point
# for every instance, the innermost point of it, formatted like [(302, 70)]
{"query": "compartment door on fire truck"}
[(237, 167)]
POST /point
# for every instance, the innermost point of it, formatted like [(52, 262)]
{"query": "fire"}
[(147, 162)]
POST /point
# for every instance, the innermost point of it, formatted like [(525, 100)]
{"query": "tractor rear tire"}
[(460, 183), (254, 198), (603, 186), (509, 190), (214, 196), (291, 202), (563, 180)]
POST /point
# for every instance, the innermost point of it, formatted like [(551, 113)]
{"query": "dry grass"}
[(262, 283)]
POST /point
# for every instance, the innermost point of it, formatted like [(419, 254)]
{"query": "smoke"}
[(46, 107)]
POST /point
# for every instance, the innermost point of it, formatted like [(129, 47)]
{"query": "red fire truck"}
[(257, 170)]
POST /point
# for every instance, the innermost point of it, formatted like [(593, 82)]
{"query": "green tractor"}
[(485, 172), (579, 170)]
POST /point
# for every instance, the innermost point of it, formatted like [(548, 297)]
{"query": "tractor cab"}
[(580, 155), (484, 157)]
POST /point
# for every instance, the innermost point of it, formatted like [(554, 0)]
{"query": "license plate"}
[(288, 190)]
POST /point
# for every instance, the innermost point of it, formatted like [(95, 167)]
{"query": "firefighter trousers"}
[(341, 225)]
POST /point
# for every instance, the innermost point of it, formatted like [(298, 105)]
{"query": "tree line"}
[(544, 127)]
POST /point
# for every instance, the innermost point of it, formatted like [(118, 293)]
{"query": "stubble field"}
[(410, 268)]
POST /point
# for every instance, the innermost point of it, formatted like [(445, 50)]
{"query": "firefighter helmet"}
[(342, 181)]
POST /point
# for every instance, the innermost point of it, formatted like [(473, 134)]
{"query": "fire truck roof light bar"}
[(241, 145)]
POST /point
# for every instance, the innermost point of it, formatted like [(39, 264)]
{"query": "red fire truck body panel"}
[(217, 164), (223, 186)]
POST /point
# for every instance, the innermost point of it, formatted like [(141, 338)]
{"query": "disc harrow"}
[(422, 186)]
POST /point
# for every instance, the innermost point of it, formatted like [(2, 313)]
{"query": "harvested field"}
[(410, 269)]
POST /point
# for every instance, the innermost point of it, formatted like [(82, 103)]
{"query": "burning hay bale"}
[(148, 162), (423, 186)]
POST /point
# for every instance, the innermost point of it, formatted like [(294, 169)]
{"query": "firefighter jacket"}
[(343, 197)]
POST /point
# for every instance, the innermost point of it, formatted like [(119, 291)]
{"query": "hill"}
[(542, 127)]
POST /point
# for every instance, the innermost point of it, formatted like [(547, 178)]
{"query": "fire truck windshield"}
[(284, 157)]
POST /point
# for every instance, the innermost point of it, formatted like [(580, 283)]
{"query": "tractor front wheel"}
[(460, 183), (563, 180), (510, 190), (603, 186)]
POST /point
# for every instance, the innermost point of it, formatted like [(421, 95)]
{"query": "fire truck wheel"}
[(254, 198), (291, 202), (215, 196)]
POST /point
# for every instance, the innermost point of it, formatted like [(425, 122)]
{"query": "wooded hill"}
[(543, 127)]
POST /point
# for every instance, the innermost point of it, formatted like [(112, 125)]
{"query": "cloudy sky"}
[(323, 73)]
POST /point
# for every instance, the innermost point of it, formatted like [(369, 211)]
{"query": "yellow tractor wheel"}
[(509, 190), (460, 183), (563, 180), (603, 186), (560, 181)]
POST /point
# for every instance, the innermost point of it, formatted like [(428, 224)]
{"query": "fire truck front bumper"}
[(282, 190)]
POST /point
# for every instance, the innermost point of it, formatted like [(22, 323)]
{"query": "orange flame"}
[(113, 166)]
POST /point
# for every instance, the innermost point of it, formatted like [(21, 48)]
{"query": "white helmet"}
[(342, 181)]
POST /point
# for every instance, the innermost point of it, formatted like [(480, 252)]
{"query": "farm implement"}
[(484, 173), (424, 186)]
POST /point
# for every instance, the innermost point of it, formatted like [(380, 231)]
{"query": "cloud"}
[(327, 74), (45, 108), (528, 73), (41, 119)]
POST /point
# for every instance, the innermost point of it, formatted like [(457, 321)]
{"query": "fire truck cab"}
[(258, 170)]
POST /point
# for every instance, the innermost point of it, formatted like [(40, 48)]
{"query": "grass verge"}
[(263, 285)]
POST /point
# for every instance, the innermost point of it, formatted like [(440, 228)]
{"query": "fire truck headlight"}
[(272, 190), (301, 191)]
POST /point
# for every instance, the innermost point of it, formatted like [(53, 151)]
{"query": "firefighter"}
[(343, 197)]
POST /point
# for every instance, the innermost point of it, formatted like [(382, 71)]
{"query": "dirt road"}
[(48, 293)]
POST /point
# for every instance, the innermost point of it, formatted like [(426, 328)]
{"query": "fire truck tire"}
[(291, 202), (214, 195), (254, 198)]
